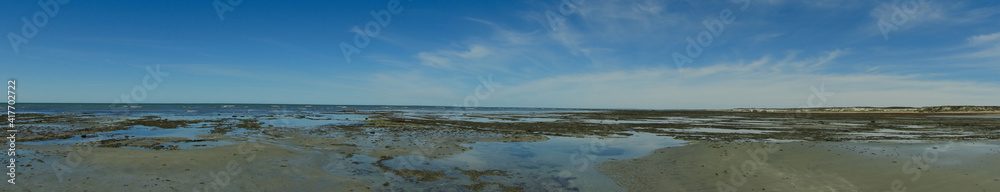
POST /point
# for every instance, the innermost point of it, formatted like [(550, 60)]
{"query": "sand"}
[(245, 167), (812, 166)]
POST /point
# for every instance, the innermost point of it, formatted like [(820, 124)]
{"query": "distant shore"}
[(934, 109), (857, 109)]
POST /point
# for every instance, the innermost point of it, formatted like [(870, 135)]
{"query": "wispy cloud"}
[(738, 85), (981, 46), (985, 39), (453, 59)]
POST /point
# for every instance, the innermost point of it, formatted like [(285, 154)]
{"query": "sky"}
[(535, 53)]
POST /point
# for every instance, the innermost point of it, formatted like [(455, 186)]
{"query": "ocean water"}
[(258, 109)]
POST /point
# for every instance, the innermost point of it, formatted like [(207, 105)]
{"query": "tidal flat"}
[(203, 147)]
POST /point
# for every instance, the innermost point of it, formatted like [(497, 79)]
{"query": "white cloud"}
[(495, 51), (770, 81), (434, 60), (897, 18), (988, 52), (599, 27), (984, 46), (477, 51), (739, 85), (444, 58), (984, 39)]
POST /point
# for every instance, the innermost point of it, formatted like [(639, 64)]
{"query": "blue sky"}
[(592, 54)]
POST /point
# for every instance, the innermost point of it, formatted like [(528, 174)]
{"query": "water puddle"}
[(140, 131), (717, 130), (560, 163), (968, 116), (847, 124), (315, 120)]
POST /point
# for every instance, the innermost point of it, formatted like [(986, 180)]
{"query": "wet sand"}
[(813, 166), (247, 167)]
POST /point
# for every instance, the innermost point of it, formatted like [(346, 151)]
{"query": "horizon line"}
[(404, 105)]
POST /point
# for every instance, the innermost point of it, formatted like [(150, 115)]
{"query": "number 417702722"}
[(11, 87)]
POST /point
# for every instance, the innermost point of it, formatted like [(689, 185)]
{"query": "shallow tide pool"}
[(560, 163)]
